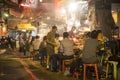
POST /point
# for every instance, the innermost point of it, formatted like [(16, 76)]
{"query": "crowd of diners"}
[(51, 51)]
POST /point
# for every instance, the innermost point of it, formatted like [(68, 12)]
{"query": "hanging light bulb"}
[(41, 0)]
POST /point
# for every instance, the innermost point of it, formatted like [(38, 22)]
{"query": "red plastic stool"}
[(90, 65)]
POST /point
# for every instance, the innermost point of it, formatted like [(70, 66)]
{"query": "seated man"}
[(66, 48), (90, 49)]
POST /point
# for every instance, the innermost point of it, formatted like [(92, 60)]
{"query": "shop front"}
[(25, 26)]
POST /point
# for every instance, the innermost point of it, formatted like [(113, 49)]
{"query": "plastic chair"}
[(64, 62), (115, 63), (90, 65)]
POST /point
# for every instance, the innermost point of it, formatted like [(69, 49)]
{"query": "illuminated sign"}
[(25, 5), (32, 1)]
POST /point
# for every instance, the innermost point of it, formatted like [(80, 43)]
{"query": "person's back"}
[(66, 45), (43, 50), (67, 50), (90, 49), (43, 45), (36, 43)]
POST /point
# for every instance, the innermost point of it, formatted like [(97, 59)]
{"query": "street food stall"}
[(25, 26)]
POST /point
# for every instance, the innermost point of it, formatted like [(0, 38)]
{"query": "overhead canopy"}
[(11, 4), (25, 26)]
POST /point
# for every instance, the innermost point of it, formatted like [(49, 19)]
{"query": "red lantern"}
[(4, 30)]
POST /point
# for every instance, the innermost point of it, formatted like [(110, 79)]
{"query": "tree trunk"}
[(104, 17)]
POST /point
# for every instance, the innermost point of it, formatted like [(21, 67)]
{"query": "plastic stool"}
[(90, 65), (66, 61), (115, 63), (76, 75)]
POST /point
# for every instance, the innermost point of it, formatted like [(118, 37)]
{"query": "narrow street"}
[(12, 67)]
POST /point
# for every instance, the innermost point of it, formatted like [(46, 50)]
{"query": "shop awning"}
[(25, 26)]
